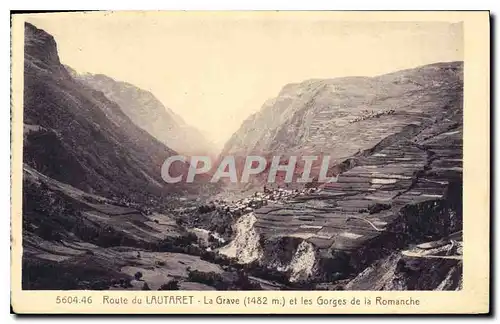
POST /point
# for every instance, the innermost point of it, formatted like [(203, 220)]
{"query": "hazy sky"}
[(215, 69)]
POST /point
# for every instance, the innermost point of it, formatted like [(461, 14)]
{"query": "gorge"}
[(97, 213)]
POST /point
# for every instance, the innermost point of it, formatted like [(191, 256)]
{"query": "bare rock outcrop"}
[(401, 186)]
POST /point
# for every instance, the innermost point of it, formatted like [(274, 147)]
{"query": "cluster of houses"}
[(365, 114)]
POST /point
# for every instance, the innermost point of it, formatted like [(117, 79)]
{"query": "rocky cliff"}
[(398, 138)]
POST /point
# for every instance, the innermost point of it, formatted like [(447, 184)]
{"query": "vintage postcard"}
[(250, 162)]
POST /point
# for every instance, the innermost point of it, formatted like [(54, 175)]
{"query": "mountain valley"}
[(98, 215)]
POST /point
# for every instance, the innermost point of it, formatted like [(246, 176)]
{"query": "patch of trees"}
[(208, 278), (49, 275), (186, 243), (378, 207), (219, 282), (171, 285)]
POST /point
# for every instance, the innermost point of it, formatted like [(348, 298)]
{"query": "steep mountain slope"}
[(147, 112), (76, 135), (398, 198), (93, 197), (342, 116)]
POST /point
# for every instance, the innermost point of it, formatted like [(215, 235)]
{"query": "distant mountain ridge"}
[(345, 115), (147, 112)]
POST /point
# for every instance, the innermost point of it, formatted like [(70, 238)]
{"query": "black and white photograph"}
[(238, 151)]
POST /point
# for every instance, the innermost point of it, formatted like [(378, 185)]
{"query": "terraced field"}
[(404, 190)]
